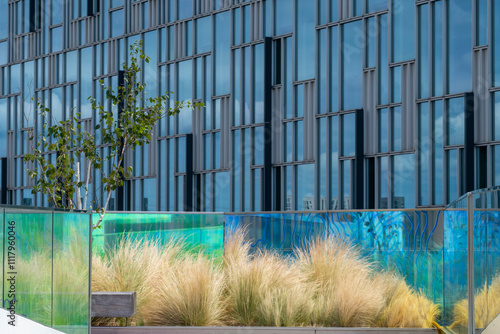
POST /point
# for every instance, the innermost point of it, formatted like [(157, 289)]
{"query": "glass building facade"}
[(309, 104)]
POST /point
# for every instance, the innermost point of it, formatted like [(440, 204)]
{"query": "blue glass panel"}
[(189, 38), (459, 46), (4, 20), (383, 76), (206, 154), (185, 87), (455, 122), (221, 191), (236, 26), (321, 11), (346, 184), (305, 187), (145, 15), (371, 40), (321, 162), (258, 88), (3, 128), (496, 165), (235, 170), (71, 68), (171, 42), (56, 12), (403, 181), (258, 145), (334, 10), (171, 11), (396, 129), (357, 7), (236, 87), (256, 189), (289, 198), (424, 151), (171, 171), (322, 72), (181, 155), (481, 22), (268, 18), (403, 21), (348, 134), (246, 24), (150, 69), (437, 46), (299, 100), (288, 108), (288, 149), (383, 130), (56, 106), (149, 199), (496, 43), (247, 179), (452, 163), (352, 62), (15, 78), (222, 53), (185, 9), (334, 69), (383, 190), (438, 152), (162, 174), (334, 163), (299, 141), (203, 34), (112, 4), (423, 51), (496, 115), (396, 84), (57, 41), (3, 53), (180, 192), (117, 26), (216, 164), (376, 5), (305, 37), (283, 11)]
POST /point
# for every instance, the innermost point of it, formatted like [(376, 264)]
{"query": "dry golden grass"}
[(487, 305), (407, 308), (345, 294), (188, 295), (329, 283)]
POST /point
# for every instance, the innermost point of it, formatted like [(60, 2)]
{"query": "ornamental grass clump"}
[(345, 295), (486, 302), (188, 294)]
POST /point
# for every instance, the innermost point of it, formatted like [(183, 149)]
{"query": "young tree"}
[(128, 124)]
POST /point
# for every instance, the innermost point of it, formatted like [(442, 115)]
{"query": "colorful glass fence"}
[(46, 261)]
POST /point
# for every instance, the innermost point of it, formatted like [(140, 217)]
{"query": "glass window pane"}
[(370, 47), (352, 62), (482, 22), (57, 41), (283, 12), (455, 122), (203, 34), (424, 151), (288, 141), (334, 10), (437, 41), (334, 164), (396, 84), (299, 141), (305, 35), (4, 20), (256, 189), (496, 115), (438, 162), (206, 152), (403, 181), (459, 46), (216, 163), (237, 87), (403, 21), (322, 161), (383, 132), (346, 177), (235, 170), (334, 69), (305, 187), (452, 163), (383, 188), (289, 205), (383, 73), (496, 43), (185, 9), (246, 24), (288, 108), (322, 73), (258, 145), (376, 5), (222, 53), (423, 50), (322, 11), (149, 199), (221, 191), (185, 93), (258, 88), (396, 129), (117, 26), (348, 134), (496, 165)]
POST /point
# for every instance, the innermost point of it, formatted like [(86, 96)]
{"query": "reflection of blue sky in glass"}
[(352, 56), (403, 180), (459, 46), (283, 17)]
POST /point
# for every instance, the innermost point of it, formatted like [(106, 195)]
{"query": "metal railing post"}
[(470, 261)]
